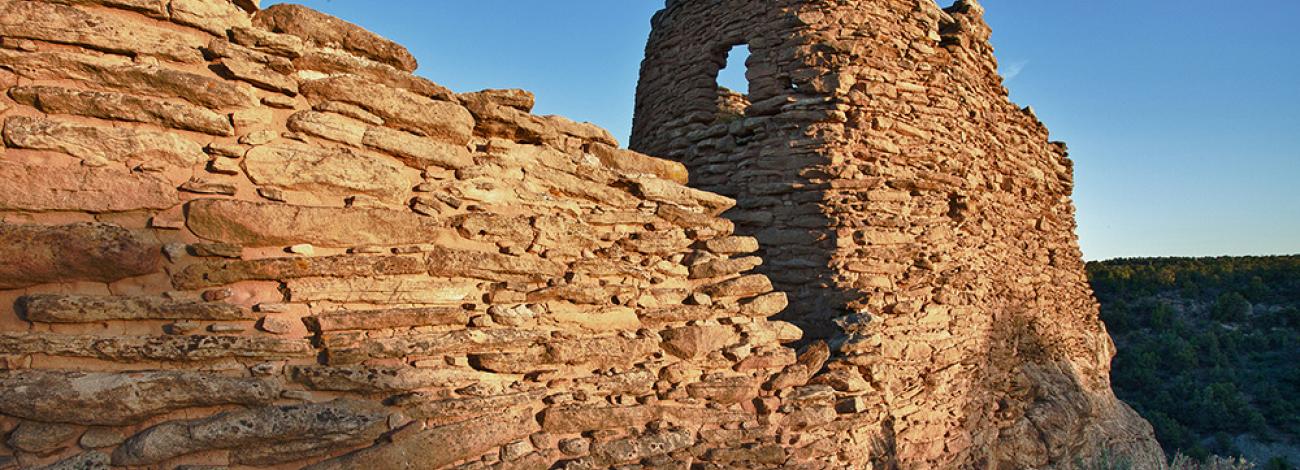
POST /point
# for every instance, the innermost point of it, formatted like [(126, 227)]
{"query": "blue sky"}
[(1183, 118)]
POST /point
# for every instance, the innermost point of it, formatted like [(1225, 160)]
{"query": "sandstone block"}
[(90, 460), (321, 30), (42, 438), (725, 391), (748, 456), (444, 411), (330, 126), (495, 228), (71, 308), (744, 286), (68, 24), (732, 245), (342, 422), (335, 62), (638, 163), (724, 267), (300, 167), (213, 17), (100, 437), (634, 382), (37, 254), (598, 319), (809, 363), (566, 420), (209, 274), (690, 342), (679, 313), (122, 107), (659, 242), (27, 187), (441, 446), (491, 266), (151, 8), (377, 379), (607, 350), (113, 74), (99, 146), (261, 40), (765, 305), (632, 449), (415, 151), (673, 193), (381, 289), (119, 399), (522, 100), (344, 320), (460, 341), (586, 294), (153, 348), (495, 120), (697, 221), (258, 75), (400, 109), (257, 224)]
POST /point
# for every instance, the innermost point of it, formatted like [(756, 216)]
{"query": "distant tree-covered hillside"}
[(1209, 351)]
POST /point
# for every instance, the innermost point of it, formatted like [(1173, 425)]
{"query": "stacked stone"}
[(252, 238), (919, 220)]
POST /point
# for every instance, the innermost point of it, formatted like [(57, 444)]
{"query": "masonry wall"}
[(919, 221), (253, 239)]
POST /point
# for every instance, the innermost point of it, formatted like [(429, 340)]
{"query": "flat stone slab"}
[(257, 224), (61, 308), (39, 254), (120, 399)]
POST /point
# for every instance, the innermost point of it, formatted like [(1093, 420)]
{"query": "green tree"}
[(1230, 308)]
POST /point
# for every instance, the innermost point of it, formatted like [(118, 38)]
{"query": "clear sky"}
[(1183, 118)]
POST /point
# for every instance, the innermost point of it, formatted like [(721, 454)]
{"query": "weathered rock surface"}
[(416, 151), (388, 318), (378, 379), (99, 146), (280, 224), (326, 31), (118, 74), (28, 187), (38, 254), (41, 438), (400, 109), (122, 107), (60, 308), (382, 290), (117, 399), (229, 272), (90, 460), (441, 446), (153, 348), (326, 426), (67, 24), (491, 266), (297, 167)]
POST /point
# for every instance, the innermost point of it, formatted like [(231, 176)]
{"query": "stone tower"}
[(920, 222)]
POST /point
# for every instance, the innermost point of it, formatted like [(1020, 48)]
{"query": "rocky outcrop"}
[(246, 238)]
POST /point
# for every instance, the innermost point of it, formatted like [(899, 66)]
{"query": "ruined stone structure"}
[(920, 222), (246, 238)]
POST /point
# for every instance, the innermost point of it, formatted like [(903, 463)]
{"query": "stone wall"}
[(232, 237), (919, 221)]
